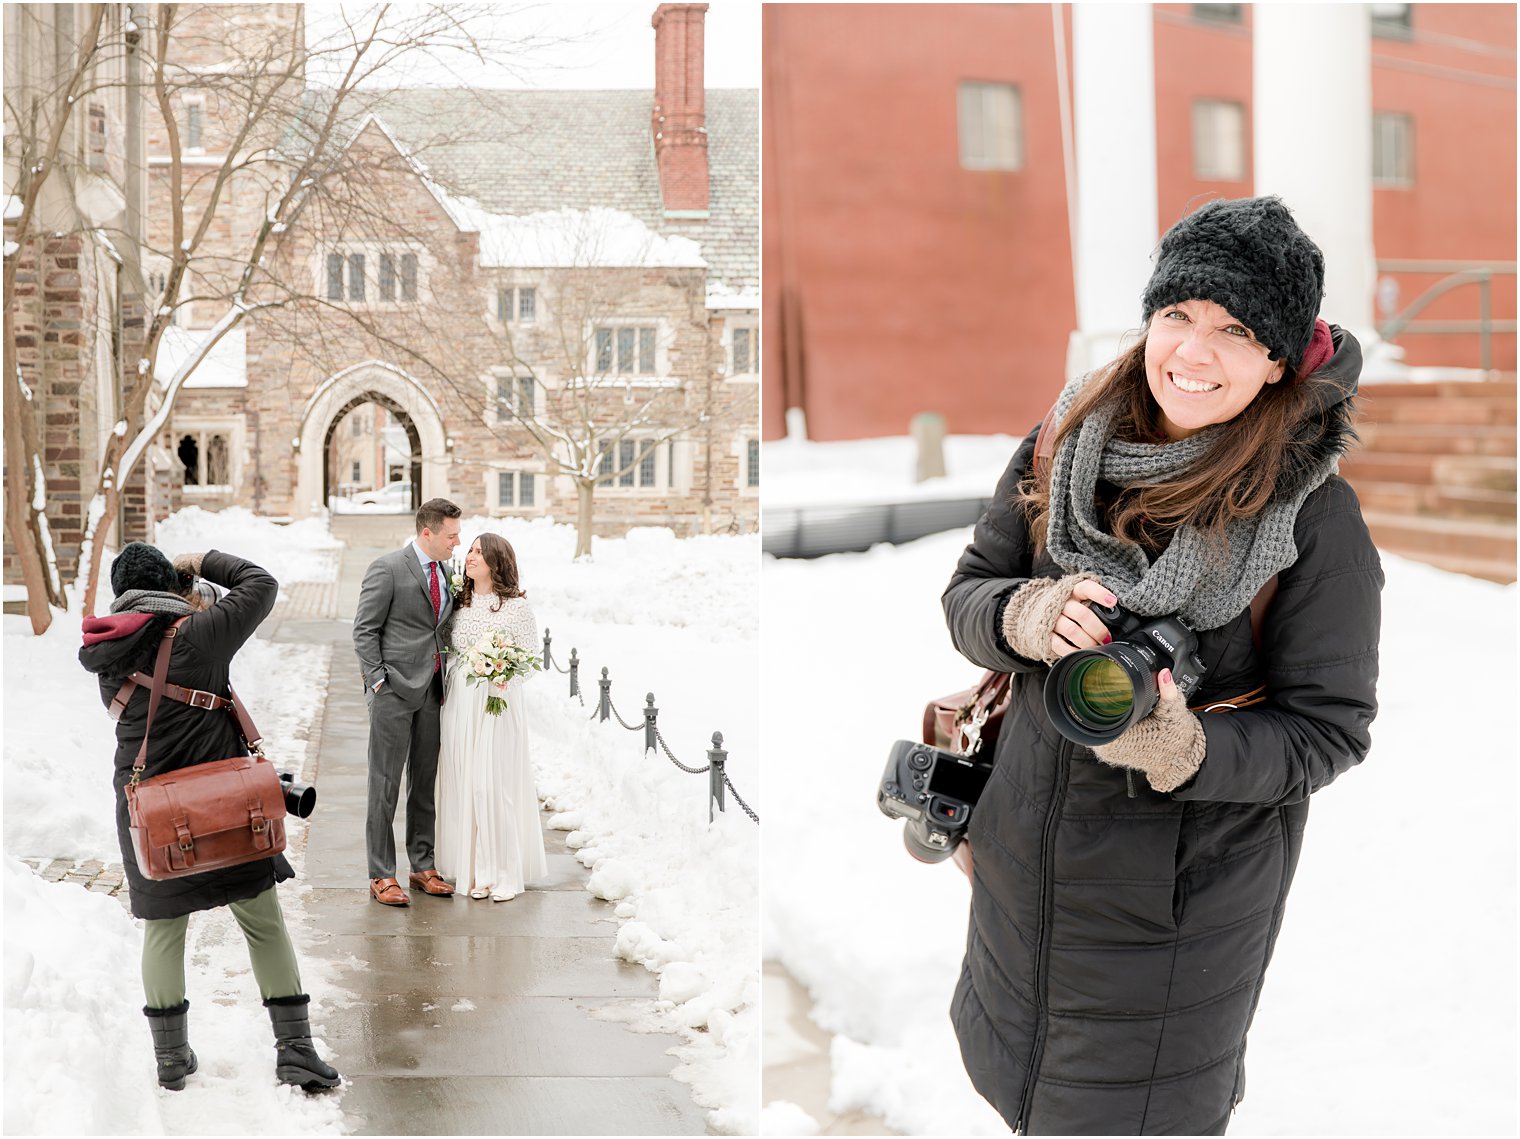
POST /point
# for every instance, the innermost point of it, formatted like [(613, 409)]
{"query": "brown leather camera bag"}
[(206, 816)]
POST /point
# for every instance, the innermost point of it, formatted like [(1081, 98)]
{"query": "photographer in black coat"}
[(151, 594)]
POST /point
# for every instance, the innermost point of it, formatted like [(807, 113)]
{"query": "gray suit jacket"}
[(395, 635)]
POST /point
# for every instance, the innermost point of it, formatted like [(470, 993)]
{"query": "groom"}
[(400, 630)]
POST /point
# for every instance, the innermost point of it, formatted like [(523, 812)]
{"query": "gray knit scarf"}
[(152, 601), (1190, 577)]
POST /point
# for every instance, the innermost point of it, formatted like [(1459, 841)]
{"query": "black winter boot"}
[(296, 1060), (171, 1044)]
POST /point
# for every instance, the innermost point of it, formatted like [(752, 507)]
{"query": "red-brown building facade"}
[(908, 270)]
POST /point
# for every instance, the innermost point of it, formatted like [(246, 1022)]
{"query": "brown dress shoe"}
[(431, 882), (388, 892)]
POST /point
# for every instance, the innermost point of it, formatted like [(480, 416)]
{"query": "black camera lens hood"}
[(1136, 663)]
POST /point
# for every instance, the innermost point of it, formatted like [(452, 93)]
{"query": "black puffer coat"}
[(182, 735), (1118, 945)]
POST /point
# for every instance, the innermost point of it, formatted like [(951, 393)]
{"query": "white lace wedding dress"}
[(487, 836)]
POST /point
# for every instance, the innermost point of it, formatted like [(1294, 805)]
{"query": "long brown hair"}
[(1235, 478), (501, 560)]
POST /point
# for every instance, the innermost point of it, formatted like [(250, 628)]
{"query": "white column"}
[(1114, 107), (1311, 98)]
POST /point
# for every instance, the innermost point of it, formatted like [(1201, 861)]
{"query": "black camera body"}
[(934, 791), (300, 798), (1093, 696)]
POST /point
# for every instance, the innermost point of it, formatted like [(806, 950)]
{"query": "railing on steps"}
[(1460, 273)]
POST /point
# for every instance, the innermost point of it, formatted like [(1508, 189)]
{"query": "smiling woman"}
[(1127, 896)]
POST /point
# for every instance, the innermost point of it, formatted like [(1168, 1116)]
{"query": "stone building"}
[(528, 283), (525, 286)]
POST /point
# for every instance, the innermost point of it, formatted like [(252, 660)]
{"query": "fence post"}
[(548, 656), (650, 712), (575, 673), (716, 758), (604, 708)]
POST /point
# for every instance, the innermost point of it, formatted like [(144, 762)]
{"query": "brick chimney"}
[(679, 119)]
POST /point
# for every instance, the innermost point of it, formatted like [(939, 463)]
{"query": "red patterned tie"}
[(437, 601)]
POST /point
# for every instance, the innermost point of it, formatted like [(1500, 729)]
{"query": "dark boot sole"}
[(305, 1078)]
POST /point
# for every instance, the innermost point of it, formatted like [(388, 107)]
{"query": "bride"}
[(487, 837)]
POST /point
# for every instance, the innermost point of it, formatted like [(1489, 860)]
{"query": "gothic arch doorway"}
[(399, 393), (386, 468)]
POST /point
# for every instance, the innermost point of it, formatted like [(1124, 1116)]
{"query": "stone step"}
[(1425, 438), (1493, 472), (1460, 502), (1454, 403), (1470, 541)]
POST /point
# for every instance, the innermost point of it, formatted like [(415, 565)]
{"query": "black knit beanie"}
[(141, 566), (1248, 255)]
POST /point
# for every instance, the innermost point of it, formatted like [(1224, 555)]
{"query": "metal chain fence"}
[(720, 786)]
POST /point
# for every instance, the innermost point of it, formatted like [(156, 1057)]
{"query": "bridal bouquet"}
[(495, 660)]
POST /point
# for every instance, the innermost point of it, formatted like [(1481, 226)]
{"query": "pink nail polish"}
[(1166, 676), (1108, 638)]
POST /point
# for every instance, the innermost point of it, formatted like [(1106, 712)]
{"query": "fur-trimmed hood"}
[(1326, 432)]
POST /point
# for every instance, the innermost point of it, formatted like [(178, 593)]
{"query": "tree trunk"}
[(21, 453), (583, 517)]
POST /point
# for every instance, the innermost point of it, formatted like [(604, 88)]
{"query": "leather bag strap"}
[(160, 677)]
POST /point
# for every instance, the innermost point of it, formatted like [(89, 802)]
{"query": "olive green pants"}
[(269, 949)]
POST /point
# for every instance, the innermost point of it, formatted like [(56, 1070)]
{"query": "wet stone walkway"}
[(471, 1017)]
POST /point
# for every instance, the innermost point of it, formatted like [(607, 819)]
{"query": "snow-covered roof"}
[(576, 239), (719, 298), (225, 367)]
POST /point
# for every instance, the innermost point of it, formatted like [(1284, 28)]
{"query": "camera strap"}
[(159, 686)]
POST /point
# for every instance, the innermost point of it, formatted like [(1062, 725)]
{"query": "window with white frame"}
[(1392, 149), (370, 276), (1219, 140), (751, 463), (516, 490), (515, 395), (358, 471), (517, 304), (205, 457), (991, 120), (635, 464), (743, 350), (195, 125), (625, 350)]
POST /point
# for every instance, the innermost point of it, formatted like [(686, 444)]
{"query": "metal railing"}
[(1460, 273), (719, 785)]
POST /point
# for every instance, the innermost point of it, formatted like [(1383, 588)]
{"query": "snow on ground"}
[(859, 471), (79, 1058), (1389, 1007), (678, 618)]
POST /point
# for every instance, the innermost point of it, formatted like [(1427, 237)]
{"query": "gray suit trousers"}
[(401, 737)]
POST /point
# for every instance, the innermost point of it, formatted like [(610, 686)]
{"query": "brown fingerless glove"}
[(1168, 745), (1031, 613), (189, 563)]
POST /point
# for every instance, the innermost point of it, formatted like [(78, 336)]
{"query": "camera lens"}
[(1099, 693), (1093, 696)]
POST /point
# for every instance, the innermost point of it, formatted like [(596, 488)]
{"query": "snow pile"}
[(295, 551), (78, 1054), (1406, 884), (675, 617), (871, 471), (59, 740)]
